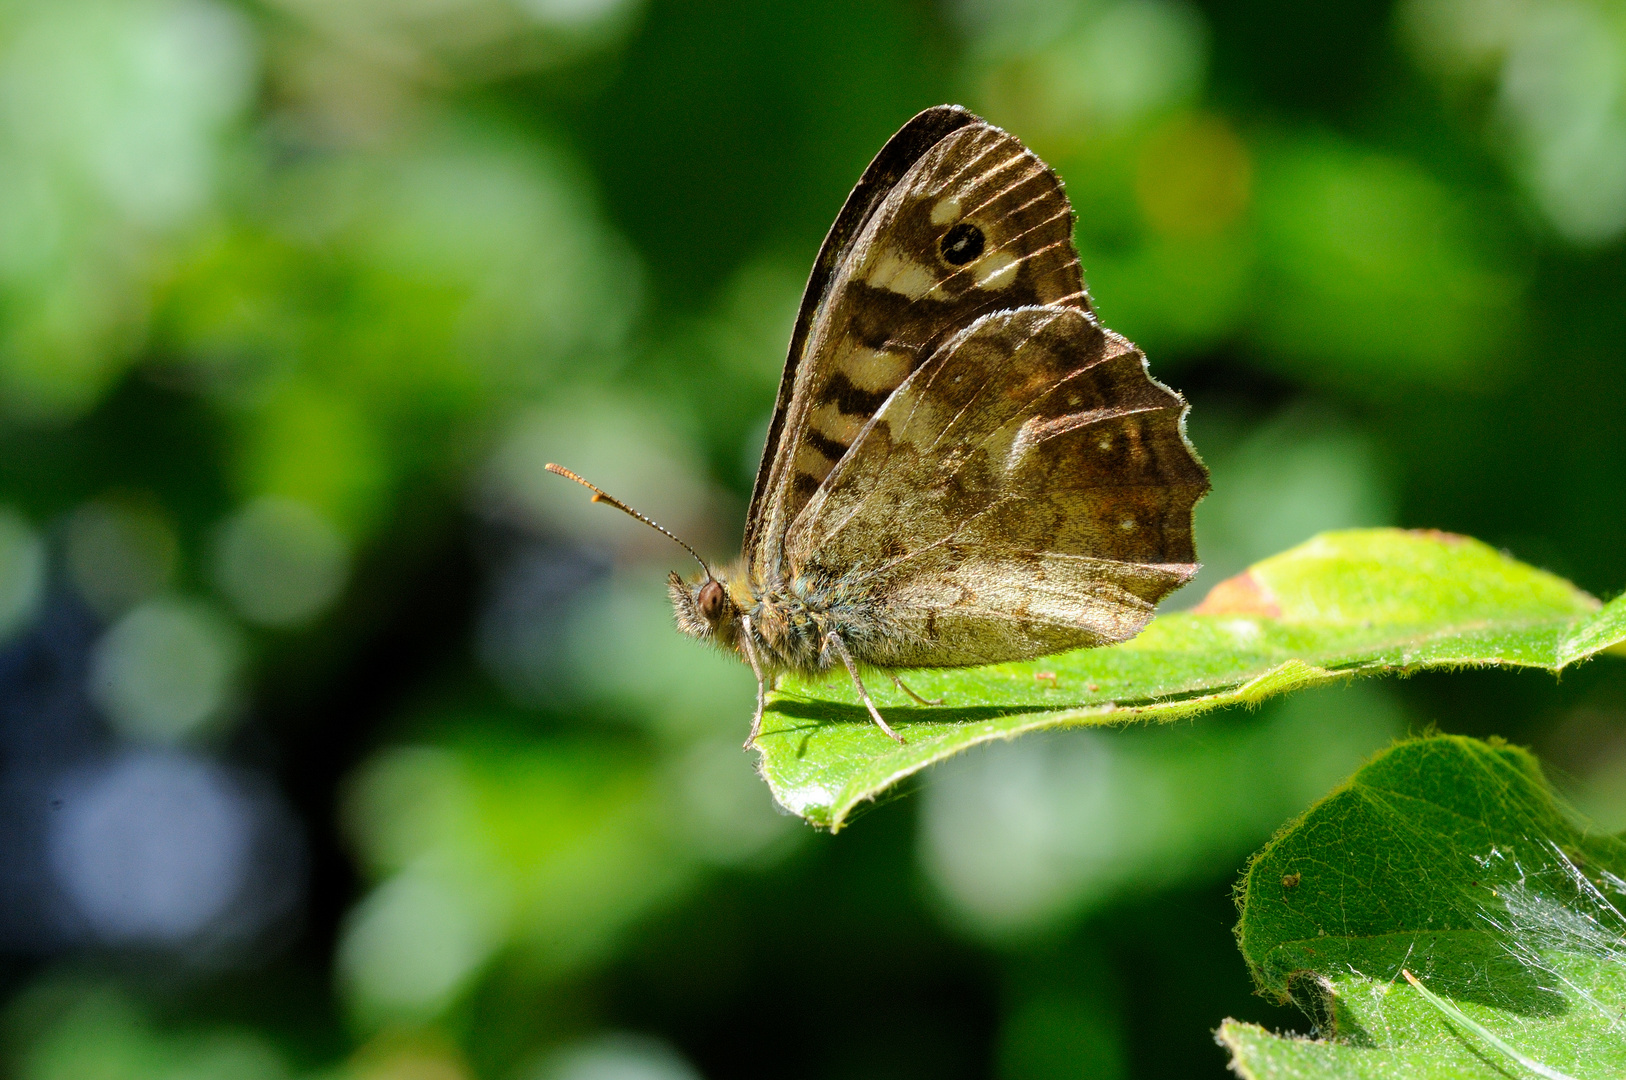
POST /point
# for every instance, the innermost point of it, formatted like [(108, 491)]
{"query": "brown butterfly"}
[(964, 466)]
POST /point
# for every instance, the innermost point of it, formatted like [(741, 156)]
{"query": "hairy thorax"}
[(788, 621)]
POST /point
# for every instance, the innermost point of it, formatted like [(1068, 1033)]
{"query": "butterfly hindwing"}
[(975, 224), (1029, 489)]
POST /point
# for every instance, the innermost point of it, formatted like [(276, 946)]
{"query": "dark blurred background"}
[(338, 741)]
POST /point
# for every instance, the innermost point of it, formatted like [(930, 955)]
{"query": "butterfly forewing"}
[(976, 224), (1029, 489), (897, 157)]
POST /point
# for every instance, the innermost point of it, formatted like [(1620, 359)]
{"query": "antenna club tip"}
[(560, 470), (600, 496)]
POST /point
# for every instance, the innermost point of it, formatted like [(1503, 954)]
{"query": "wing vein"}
[(827, 535), (939, 542), (1026, 178)]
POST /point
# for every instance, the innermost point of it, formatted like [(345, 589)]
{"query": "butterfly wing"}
[(899, 154), (1027, 490), (953, 220)]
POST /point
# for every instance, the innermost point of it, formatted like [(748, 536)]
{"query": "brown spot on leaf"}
[(1438, 535), (1291, 881), (1240, 595)]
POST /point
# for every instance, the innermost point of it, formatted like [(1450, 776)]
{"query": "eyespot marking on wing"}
[(962, 244), (897, 296)]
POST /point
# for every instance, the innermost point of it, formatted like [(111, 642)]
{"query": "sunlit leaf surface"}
[(1361, 602), (1445, 860)]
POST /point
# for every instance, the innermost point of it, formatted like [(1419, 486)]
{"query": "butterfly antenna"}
[(599, 495)]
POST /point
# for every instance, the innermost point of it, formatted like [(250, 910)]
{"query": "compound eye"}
[(711, 601)]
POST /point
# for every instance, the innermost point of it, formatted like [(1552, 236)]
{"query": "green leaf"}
[(1439, 916), (1361, 602)]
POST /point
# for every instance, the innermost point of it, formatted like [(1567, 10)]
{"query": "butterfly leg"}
[(852, 669), (899, 684), (756, 669)]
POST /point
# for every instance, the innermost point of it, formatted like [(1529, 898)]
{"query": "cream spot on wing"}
[(832, 423), (914, 281), (1105, 443), (997, 270), (881, 265), (946, 212), (870, 369), (895, 273), (1126, 524), (813, 463)]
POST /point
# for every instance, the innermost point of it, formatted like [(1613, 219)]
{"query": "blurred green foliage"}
[(339, 741)]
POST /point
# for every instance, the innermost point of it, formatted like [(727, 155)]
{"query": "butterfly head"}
[(706, 608)]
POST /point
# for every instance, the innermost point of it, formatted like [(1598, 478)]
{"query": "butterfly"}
[(963, 465)]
